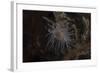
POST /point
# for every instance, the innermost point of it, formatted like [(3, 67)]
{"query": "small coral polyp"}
[(58, 36)]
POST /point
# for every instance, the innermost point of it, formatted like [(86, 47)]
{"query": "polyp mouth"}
[(59, 35)]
